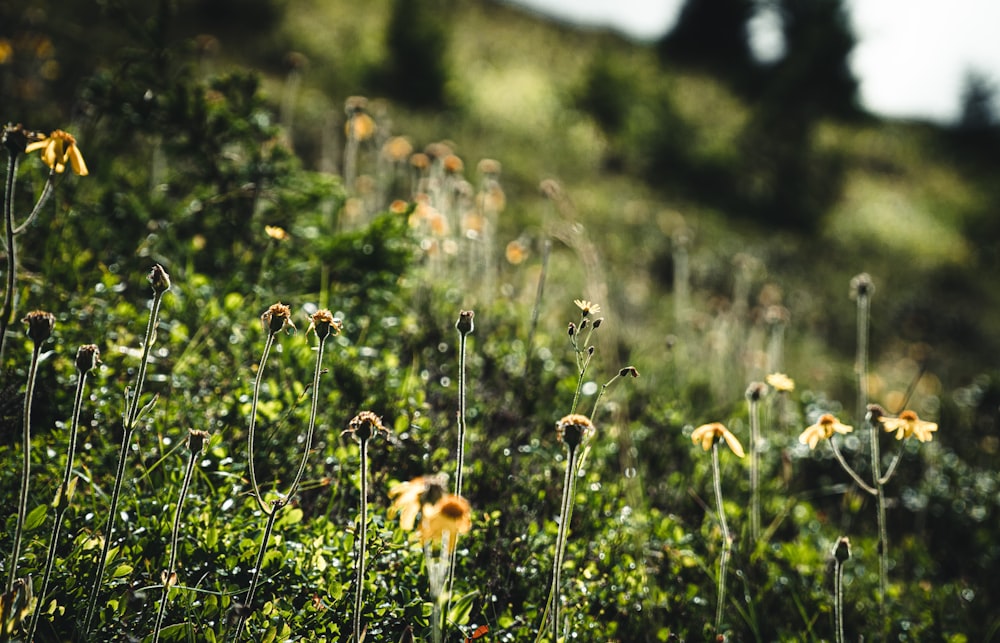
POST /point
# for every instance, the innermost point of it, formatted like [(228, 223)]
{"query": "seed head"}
[(277, 318), (40, 325), (196, 440), (629, 370), (159, 279), (862, 286), (364, 425), (324, 324), (464, 323), (88, 357), (574, 429), (756, 391), (842, 550)]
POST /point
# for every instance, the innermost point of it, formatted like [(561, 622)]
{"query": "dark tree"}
[(416, 71), (711, 34), (979, 104)]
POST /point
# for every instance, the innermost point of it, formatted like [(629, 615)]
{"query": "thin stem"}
[(63, 503), (862, 355), (313, 411), (22, 504), (851, 472), (838, 599), (8, 215), (253, 421), (565, 514), (883, 539), (892, 467), (276, 506), (537, 307), (47, 190), (192, 460), (460, 455), (727, 540), (129, 425), (362, 541), (754, 470)]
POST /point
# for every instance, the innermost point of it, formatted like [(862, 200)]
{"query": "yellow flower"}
[(447, 518), (706, 434), (587, 306), (780, 382), (275, 232), (411, 498), (823, 430), (908, 424), (58, 149)]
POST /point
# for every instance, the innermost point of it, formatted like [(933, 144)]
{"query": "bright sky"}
[(912, 56)]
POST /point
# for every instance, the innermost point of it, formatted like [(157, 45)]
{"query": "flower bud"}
[(88, 357), (325, 324), (159, 279), (276, 318), (197, 440), (365, 424), (464, 323), (573, 429), (842, 550)]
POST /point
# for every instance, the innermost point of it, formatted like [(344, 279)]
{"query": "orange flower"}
[(59, 148), (445, 520), (908, 424), (823, 430), (707, 434)]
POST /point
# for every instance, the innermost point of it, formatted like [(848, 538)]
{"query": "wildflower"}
[(842, 549), (587, 306), (364, 425), (325, 324), (275, 232), (59, 148), (411, 498), (360, 126), (823, 430), (277, 318), (159, 279), (780, 382), (453, 164), (908, 424), (489, 167), (707, 434), (420, 161), (862, 285), (397, 149), (515, 252), (196, 440), (450, 515), (574, 429), (40, 325)]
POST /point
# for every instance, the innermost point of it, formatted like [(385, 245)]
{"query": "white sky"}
[(912, 56)]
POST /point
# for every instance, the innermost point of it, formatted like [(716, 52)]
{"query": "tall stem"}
[(276, 506), (130, 419), (8, 215), (253, 421), (63, 503), (22, 503), (754, 470), (362, 541), (167, 581), (565, 513), (727, 540)]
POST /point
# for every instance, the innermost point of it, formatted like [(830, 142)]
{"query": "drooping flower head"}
[(573, 429), (411, 497), (58, 149), (908, 424), (707, 434), (823, 430), (443, 521)]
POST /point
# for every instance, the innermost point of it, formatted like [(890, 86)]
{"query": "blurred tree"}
[(814, 76), (979, 104), (711, 34), (416, 71)]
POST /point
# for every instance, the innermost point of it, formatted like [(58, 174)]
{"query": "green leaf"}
[(35, 517), (122, 570), (461, 610)]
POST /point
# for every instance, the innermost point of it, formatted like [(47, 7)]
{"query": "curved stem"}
[(727, 540), (460, 456), (22, 503), (47, 190), (311, 430), (192, 458), (63, 502), (851, 472), (362, 541), (253, 422), (892, 467)]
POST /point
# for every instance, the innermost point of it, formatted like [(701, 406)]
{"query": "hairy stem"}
[(727, 541), (362, 541), (22, 503)]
